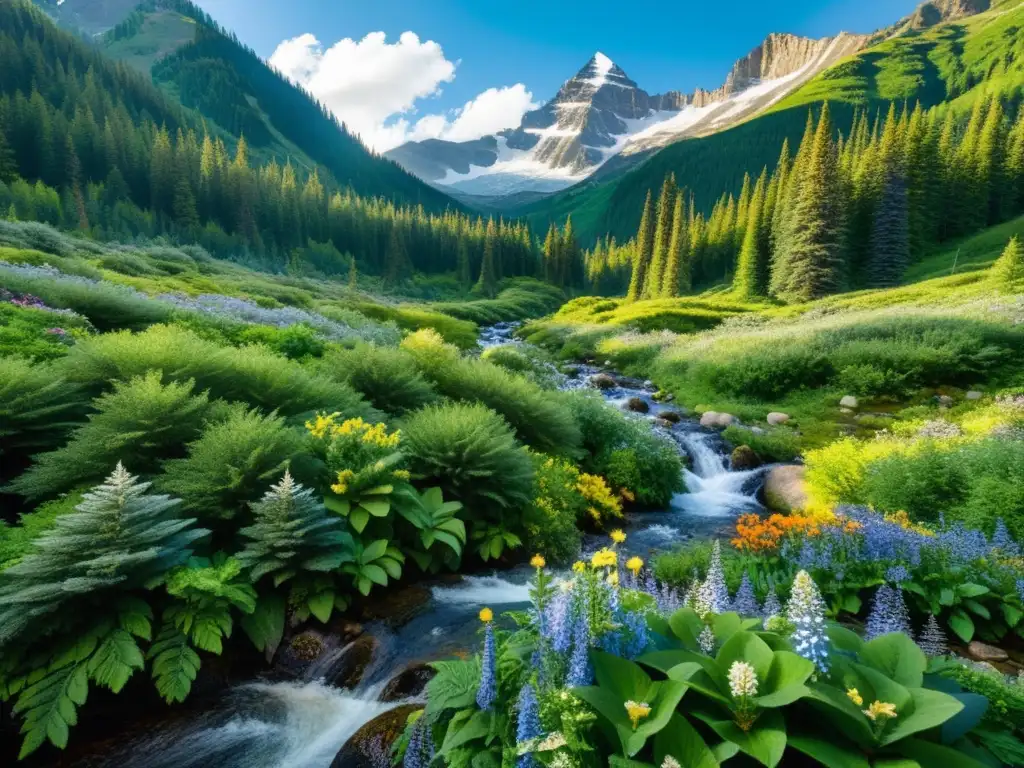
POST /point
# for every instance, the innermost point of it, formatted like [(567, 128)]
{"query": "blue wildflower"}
[(897, 574), (580, 672), (807, 557), (420, 750), (713, 592), (806, 611), (558, 624), (488, 690), (745, 603), (772, 606), (636, 634), (528, 725), (888, 613), (963, 545), (1002, 542)]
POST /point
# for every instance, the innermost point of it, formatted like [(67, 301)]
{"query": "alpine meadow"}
[(373, 396)]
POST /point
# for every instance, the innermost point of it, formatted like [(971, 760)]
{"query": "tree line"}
[(848, 210)]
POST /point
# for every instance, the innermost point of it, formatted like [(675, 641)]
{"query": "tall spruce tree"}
[(662, 239), (752, 267), (810, 262), (487, 283), (676, 280), (1014, 164), (644, 251), (889, 255), (1008, 270)]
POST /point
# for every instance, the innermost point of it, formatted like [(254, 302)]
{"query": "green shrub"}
[(1006, 699), (140, 422), (470, 452), (765, 373), (16, 540), (550, 520), (523, 361), (388, 378), (677, 567), (296, 342), (38, 406), (253, 375), (461, 333), (538, 417), (923, 483), (37, 334), (625, 451), (523, 298), (778, 444), (231, 464)]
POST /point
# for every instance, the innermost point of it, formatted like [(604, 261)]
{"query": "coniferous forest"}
[(304, 462)]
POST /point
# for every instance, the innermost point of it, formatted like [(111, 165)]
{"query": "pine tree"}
[(570, 258), (644, 251), (988, 167), (677, 271), (552, 254), (810, 260), (662, 239), (185, 213), (117, 539), (353, 274), (487, 284), (752, 267), (292, 532), (464, 267), (1008, 270), (8, 166), (890, 238), (1015, 164)]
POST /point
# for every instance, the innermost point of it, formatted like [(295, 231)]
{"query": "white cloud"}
[(374, 86)]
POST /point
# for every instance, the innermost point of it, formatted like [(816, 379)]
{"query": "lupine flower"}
[(745, 603), (963, 545), (888, 613), (637, 711), (933, 640), (742, 680), (668, 599), (558, 622), (807, 557), (488, 690), (420, 750), (580, 672), (881, 710), (772, 606), (707, 640), (713, 592), (1002, 542), (637, 639), (897, 574), (806, 611), (528, 725), (854, 695)]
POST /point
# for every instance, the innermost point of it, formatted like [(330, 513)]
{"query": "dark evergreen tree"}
[(677, 270), (644, 251), (890, 237), (662, 239), (752, 268), (487, 284)]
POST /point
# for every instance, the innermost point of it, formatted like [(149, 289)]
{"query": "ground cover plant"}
[(612, 668)]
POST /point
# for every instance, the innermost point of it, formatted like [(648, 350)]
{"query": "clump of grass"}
[(388, 378)]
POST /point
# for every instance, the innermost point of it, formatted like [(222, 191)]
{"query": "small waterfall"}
[(712, 490), (483, 590)]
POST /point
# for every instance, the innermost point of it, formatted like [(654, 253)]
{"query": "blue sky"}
[(536, 43)]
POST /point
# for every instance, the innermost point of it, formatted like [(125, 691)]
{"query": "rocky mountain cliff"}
[(934, 12)]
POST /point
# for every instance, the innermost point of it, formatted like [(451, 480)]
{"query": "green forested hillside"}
[(952, 63)]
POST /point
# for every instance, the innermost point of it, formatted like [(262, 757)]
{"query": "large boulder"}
[(785, 489), (716, 420), (744, 458), (603, 381), (410, 682), (975, 395), (981, 652), (672, 417), (850, 402), (372, 743), (637, 405), (775, 418), (351, 667)]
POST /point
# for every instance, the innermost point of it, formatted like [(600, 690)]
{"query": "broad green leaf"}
[(477, 727), (746, 647), (663, 697), (321, 605), (827, 750), (896, 656), (930, 709), (929, 754), (694, 676), (946, 596), (687, 626), (376, 507), (337, 505), (725, 625), (358, 519), (115, 660), (785, 680), (265, 625), (375, 573), (374, 550), (841, 713), (975, 707), (380, 490), (962, 625), (681, 741), (614, 761), (877, 685), (843, 639), (454, 686), (765, 741), (978, 608), (969, 589), (1012, 614), (620, 676)]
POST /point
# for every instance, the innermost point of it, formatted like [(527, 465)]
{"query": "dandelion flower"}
[(634, 564), (854, 695), (604, 558), (538, 562), (881, 710), (637, 711), (618, 536), (579, 566), (486, 615)]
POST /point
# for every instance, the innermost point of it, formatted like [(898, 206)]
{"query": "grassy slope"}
[(162, 33), (951, 63)]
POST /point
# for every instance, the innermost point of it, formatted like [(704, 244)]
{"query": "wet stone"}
[(637, 405), (370, 746), (409, 683)]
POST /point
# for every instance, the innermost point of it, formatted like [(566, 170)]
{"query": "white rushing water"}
[(712, 489), (483, 590)]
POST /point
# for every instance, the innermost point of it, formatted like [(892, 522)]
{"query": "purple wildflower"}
[(580, 672), (528, 725), (558, 623), (888, 613), (772, 606), (1003, 542), (488, 690), (897, 574), (420, 750), (745, 603)]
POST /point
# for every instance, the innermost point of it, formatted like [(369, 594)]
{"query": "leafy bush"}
[(142, 421), (522, 298), (231, 463), (17, 540), (38, 406), (469, 451), (773, 444), (626, 452), (37, 334), (253, 375), (460, 333), (538, 417), (524, 361), (388, 378)]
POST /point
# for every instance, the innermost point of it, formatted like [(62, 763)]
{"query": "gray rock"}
[(744, 458), (850, 402), (374, 740), (603, 381), (716, 420), (944, 401), (671, 417), (979, 651), (776, 418), (408, 683), (637, 405), (975, 395), (785, 489)]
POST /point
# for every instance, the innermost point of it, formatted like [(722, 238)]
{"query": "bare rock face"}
[(408, 683), (938, 11), (981, 652), (785, 489)]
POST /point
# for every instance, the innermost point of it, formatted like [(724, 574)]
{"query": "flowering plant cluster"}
[(595, 674)]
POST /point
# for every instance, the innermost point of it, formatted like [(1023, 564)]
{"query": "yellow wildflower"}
[(486, 615), (627, 495), (854, 695), (881, 710), (319, 427), (613, 578), (604, 558), (635, 564), (401, 474), (618, 536), (579, 566), (344, 478), (637, 711), (538, 562)]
